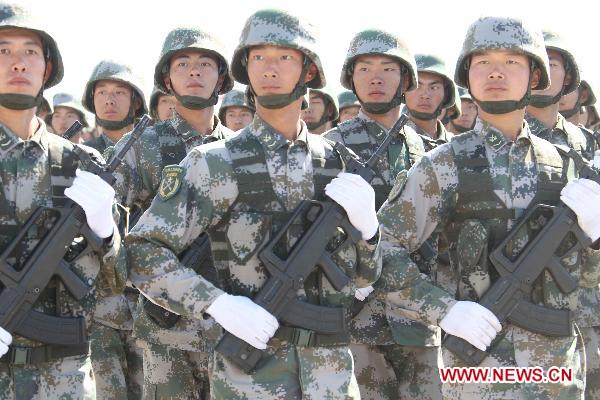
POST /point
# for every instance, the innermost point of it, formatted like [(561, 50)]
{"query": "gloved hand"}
[(245, 319), (96, 198), (362, 293), (5, 341), (471, 322), (357, 197), (583, 196)]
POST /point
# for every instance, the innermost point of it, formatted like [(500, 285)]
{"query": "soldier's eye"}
[(287, 57), (257, 57), (4, 51)]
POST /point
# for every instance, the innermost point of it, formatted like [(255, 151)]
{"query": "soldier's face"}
[(558, 75), (63, 118), (23, 68), (429, 95), (315, 110), (112, 100), (193, 73), (349, 113), (237, 118), (275, 70), (468, 113), (165, 107), (568, 101), (497, 75), (376, 78)]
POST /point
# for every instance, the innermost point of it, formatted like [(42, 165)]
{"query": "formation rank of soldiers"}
[(257, 254)]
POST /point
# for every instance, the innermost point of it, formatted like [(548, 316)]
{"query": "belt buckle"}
[(303, 337), (20, 356)]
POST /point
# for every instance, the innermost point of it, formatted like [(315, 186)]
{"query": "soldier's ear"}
[(405, 82), (48, 71), (535, 78), (167, 82), (311, 74)]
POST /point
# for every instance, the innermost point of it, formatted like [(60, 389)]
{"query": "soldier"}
[(349, 106), (114, 95), (452, 112), (29, 62), (322, 111), (240, 191), (542, 114), (236, 111), (574, 107), (43, 109), (162, 105), (379, 68), (593, 121), (192, 67), (67, 110), (468, 116), (475, 188)]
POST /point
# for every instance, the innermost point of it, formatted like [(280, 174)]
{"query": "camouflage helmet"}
[(435, 65), (154, 98), (68, 100), (593, 118), (191, 39), (113, 71), (378, 42), (500, 33), (347, 99), (235, 98), (584, 85), (14, 16), (277, 27), (44, 106), (328, 99), (455, 110), (463, 93), (557, 43)]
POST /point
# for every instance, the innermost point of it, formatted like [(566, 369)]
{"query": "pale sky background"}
[(88, 31)]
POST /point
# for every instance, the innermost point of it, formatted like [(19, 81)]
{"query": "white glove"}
[(471, 322), (5, 341), (362, 293), (357, 197), (583, 196), (96, 198), (245, 319)]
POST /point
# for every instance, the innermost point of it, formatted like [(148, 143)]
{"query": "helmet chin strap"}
[(382, 107), (17, 101), (118, 125), (275, 101)]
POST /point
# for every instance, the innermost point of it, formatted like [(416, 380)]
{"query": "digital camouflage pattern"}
[(435, 65), (330, 99), (513, 34), (347, 99), (67, 100), (427, 200), (25, 172), (564, 133), (234, 98), (206, 200), (191, 39), (375, 41), (555, 41), (153, 104)]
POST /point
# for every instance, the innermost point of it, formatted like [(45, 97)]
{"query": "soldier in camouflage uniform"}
[(162, 105), (30, 369), (193, 69), (43, 109), (114, 95), (348, 105), (240, 191), (468, 116), (379, 63), (475, 188), (236, 111), (452, 112), (67, 110), (575, 108), (322, 111), (593, 120)]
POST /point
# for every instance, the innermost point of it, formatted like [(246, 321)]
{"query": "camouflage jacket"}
[(443, 136), (377, 322), (100, 143), (26, 185), (201, 194), (564, 133)]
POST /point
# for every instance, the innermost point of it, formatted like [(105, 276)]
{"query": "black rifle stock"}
[(73, 130), (287, 274), (24, 281), (509, 297)]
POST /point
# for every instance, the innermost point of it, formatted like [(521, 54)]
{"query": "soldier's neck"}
[(510, 124), (429, 126), (386, 120), (285, 120), (22, 123), (547, 116), (201, 120), (322, 129), (575, 119), (115, 136)]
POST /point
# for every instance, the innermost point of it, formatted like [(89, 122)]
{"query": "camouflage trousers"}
[(520, 348), (174, 374), (591, 338), (68, 378), (395, 371), (288, 372), (117, 363)]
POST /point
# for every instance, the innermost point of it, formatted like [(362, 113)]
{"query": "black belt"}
[(36, 355), (308, 338)]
